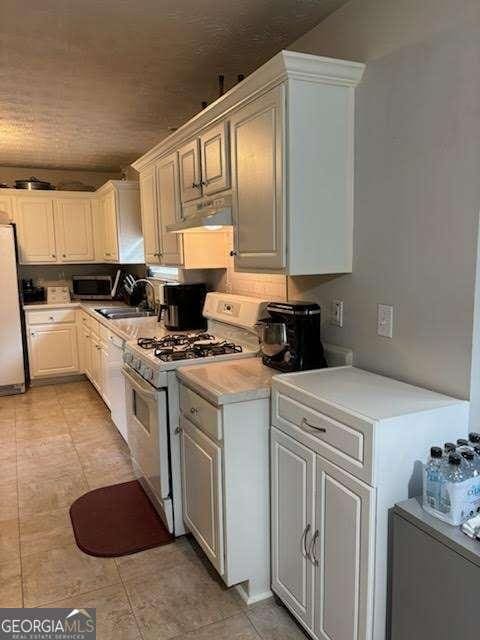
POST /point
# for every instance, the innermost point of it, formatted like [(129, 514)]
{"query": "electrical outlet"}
[(385, 320), (336, 313)]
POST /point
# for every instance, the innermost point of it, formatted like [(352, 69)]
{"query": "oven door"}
[(147, 428)]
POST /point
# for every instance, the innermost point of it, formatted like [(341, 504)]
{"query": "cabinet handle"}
[(233, 253), (108, 254), (304, 540), (311, 552), (193, 411), (305, 424)]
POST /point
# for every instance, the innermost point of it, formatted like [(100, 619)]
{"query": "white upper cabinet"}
[(148, 202), (258, 179), (190, 171), (110, 227), (6, 206), (215, 159), (36, 230), (169, 210), (290, 126), (78, 227), (120, 212), (74, 230)]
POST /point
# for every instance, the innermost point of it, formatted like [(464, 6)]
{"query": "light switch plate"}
[(385, 320), (336, 313)]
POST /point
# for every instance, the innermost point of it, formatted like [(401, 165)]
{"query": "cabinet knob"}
[(233, 253), (53, 255), (51, 318), (64, 255), (178, 430), (33, 334), (193, 411), (204, 183)]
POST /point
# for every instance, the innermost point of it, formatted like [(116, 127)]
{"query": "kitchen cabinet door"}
[(103, 375), (95, 363), (341, 551), (148, 206), (36, 230), (215, 159), (74, 230), (190, 172), (53, 350), (85, 353), (110, 227), (202, 491), (257, 132), (6, 206), (169, 210), (292, 478)]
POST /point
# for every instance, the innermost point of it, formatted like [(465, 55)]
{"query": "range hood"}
[(205, 215)]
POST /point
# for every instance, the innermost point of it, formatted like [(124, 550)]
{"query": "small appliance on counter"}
[(58, 295), (290, 337), (92, 287), (182, 306), (30, 293)]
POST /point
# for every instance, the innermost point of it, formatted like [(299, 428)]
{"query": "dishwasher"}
[(116, 384)]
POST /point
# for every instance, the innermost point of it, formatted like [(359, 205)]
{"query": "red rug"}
[(116, 521)]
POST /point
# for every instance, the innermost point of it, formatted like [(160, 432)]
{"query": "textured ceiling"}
[(93, 84)]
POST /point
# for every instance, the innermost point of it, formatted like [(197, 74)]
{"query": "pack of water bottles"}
[(451, 480)]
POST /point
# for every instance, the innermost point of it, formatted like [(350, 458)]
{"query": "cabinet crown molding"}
[(284, 66)]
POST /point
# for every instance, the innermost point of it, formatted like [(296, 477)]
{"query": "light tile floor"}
[(56, 443)]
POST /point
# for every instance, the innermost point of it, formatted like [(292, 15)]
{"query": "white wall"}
[(417, 186)]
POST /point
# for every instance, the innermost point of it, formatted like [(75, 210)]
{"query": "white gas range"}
[(152, 395)]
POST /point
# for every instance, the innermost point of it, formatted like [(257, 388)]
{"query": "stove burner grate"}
[(195, 350)]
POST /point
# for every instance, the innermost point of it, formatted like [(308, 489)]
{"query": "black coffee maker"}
[(183, 306), (290, 337)]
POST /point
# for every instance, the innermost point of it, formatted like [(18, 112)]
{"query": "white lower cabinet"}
[(53, 350), (320, 545), (225, 452), (202, 491), (292, 491)]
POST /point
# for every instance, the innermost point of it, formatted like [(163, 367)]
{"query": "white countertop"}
[(229, 381), (126, 328), (367, 394)]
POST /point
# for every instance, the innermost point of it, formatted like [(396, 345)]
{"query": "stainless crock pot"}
[(33, 183)]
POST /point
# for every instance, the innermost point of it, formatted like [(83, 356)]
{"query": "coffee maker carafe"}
[(290, 337), (182, 306)]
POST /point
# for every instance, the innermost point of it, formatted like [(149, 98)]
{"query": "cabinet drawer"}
[(201, 412), (348, 447), (50, 316), (84, 319)]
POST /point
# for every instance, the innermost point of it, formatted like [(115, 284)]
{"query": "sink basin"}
[(120, 313)]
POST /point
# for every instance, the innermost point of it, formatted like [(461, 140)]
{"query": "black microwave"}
[(92, 287)]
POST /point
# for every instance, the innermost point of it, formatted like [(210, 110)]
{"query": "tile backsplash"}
[(269, 286)]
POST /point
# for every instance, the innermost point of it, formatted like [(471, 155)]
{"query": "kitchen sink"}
[(121, 313)]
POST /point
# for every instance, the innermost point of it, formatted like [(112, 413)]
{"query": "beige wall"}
[(94, 178), (417, 191)]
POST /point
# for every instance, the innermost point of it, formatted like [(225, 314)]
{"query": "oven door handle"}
[(137, 383)]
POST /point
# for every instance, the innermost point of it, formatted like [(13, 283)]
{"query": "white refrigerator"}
[(12, 367)]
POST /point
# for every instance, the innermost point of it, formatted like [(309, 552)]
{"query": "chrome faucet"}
[(149, 283)]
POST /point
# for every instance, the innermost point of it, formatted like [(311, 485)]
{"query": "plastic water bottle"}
[(468, 463), (476, 461), (433, 479), (474, 438), (451, 503), (449, 447), (462, 445)]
